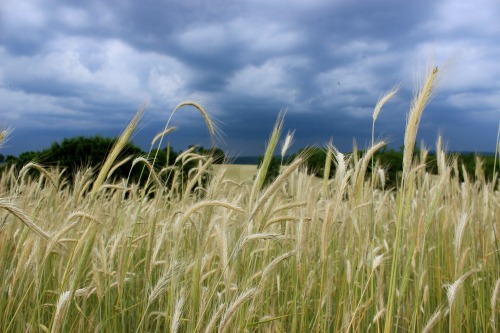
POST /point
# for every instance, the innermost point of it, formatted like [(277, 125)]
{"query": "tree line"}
[(469, 165), (76, 153)]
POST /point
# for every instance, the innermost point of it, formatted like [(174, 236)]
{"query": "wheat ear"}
[(24, 218), (115, 151), (4, 135), (417, 108), (494, 300), (381, 102), (226, 318), (268, 155)]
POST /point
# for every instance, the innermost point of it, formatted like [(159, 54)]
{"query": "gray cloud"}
[(71, 68)]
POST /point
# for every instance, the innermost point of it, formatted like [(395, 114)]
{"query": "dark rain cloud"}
[(72, 68)]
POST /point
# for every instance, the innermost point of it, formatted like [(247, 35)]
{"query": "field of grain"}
[(230, 254)]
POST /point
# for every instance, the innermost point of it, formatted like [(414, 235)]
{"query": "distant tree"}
[(2, 158), (489, 166), (28, 156), (11, 159), (217, 154), (75, 153), (79, 152)]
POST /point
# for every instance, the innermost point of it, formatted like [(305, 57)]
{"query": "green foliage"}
[(2, 158), (10, 159), (475, 165)]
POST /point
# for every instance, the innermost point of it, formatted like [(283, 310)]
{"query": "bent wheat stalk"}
[(24, 218)]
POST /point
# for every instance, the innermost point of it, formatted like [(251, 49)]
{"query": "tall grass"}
[(298, 255)]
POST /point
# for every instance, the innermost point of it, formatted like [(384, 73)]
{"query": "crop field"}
[(223, 251)]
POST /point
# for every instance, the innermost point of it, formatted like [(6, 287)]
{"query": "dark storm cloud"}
[(82, 67)]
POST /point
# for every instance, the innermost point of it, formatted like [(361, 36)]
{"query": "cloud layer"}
[(83, 68)]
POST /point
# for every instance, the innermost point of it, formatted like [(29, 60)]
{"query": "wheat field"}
[(344, 254)]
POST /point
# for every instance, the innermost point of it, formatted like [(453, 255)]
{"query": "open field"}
[(226, 253), (238, 172)]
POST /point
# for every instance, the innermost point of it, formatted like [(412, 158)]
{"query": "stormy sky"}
[(70, 68)]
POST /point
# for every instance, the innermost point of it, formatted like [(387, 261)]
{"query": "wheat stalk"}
[(452, 289), (162, 134), (24, 218), (286, 144), (268, 155), (231, 310), (417, 108), (494, 300), (115, 151)]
